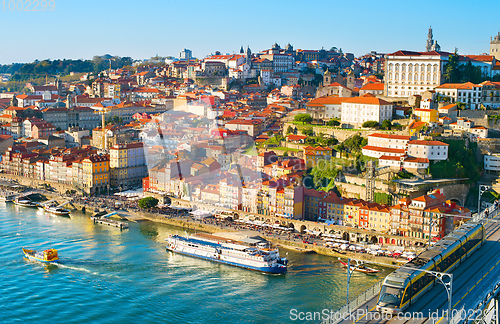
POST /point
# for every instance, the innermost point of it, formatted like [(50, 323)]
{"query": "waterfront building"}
[(95, 170), (127, 166)]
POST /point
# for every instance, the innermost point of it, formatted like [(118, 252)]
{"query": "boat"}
[(6, 198), (360, 268), (47, 256), (252, 254), (56, 210), (25, 202)]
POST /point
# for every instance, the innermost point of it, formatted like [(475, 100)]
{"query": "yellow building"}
[(96, 174), (313, 155), (415, 127), (426, 115), (379, 219)]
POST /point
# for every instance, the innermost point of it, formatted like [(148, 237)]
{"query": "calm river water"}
[(110, 276)]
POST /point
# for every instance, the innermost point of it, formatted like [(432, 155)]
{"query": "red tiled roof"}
[(391, 136), (383, 149), (428, 143)]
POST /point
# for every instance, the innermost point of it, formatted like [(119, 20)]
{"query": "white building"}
[(468, 93), (432, 150), (412, 73), (492, 162), (325, 108), (388, 140), (357, 110)]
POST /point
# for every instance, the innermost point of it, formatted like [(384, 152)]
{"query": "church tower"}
[(430, 41), (495, 47), (327, 78), (248, 56)]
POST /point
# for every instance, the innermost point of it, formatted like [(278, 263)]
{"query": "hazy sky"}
[(141, 29)]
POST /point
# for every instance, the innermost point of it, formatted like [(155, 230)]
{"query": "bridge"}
[(475, 291)]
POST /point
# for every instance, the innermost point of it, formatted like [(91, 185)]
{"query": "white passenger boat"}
[(260, 257)]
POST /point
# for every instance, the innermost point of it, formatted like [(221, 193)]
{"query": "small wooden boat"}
[(47, 256), (22, 201), (360, 268), (55, 210)]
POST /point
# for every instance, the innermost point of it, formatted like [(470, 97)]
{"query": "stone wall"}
[(344, 134)]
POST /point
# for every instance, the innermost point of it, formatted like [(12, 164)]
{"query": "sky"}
[(142, 29)]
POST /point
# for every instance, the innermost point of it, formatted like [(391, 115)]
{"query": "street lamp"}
[(440, 276), (482, 189), (349, 273)]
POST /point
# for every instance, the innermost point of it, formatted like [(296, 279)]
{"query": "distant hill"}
[(37, 69)]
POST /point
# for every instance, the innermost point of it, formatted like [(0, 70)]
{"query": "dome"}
[(497, 38)]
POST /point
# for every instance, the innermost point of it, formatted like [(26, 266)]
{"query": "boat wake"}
[(77, 267)]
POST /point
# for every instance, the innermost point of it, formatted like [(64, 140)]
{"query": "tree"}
[(451, 69), (289, 130), (386, 124), (270, 133), (370, 124), (308, 131), (304, 118), (148, 202), (333, 122)]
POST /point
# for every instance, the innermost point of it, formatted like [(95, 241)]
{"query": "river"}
[(110, 276)]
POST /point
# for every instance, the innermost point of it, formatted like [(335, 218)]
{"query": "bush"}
[(303, 118), (370, 124), (308, 131), (333, 122)]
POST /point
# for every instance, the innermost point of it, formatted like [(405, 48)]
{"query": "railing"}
[(362, 298)]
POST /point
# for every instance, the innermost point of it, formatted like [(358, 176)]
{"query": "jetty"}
[(105, 220)]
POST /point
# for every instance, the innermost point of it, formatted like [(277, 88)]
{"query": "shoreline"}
[(294, 246)]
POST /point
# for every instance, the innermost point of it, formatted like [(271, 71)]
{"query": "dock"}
[(110, 222)]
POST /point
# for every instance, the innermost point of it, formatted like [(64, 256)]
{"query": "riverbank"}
[(186, 223)]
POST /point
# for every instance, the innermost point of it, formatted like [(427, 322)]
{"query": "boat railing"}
[(343, 312)]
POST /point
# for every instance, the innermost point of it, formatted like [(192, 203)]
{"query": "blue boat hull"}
[(273, 270)]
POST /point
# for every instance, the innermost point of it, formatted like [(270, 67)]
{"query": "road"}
[(477, 273)]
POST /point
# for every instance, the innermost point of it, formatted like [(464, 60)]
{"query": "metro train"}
[(406, 285)]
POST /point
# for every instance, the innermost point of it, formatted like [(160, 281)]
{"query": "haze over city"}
[(82, 29)]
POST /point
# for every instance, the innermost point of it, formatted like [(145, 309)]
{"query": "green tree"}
[(333, 122), (451, 69), (386, 124), (148, 202), (370, 124), (324, 175), (303, 118), (308, 131), (289, 130), (270, 133)]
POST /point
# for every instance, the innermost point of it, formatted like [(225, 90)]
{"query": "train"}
[(406, 285)]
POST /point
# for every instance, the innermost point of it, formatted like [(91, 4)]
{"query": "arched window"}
[(410, 67), (390, 76), (416, 77), (409, 77), (403, 76), (390, 67), (396, 76), (428, 77), (416, 67), (435, 68), (422, 78), (434, 77), (428, 68), (403, 68), (396, 68)]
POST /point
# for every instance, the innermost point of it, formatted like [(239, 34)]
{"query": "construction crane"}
[(370, 175)]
